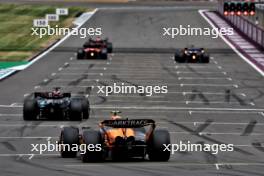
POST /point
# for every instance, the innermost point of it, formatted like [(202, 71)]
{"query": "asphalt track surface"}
[(219, 102)]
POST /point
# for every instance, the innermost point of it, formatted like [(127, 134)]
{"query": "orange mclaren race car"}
[(117, 139)]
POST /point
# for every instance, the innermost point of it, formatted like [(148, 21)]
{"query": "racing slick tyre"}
[(109, 46), (178, 57), (76, 110), (80, 54), (156, 146), (104, 56), (30, 111), (86, 108), (205, 58), (70, 137), (94, 154)]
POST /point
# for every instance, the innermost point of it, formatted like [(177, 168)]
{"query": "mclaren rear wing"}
[(133, 123)]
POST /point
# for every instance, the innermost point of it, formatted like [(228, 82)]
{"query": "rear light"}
[(226, 13), (252, 13), (246, 13)]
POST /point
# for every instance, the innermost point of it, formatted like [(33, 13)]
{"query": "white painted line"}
[(26, 154), (45, 80), (194, 66), (231, 45), (194, 93), (252, 103), (27, 94), (217, 167), (147, 101), (26, 137), (53, 74), (196, 78), (31, 125), (172, 164), (219, 133), (128, 96), (210, 102), (210, 85), (31, 156), (50, 87), (10, 106), (158, 108), (223, 112), (244, 95), (11, 115)]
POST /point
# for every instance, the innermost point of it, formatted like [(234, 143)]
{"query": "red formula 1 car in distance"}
[(95, 49), (118, 140)]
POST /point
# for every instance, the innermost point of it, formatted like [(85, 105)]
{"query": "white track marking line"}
[(231, 45), (210, 102), (210, 85), (11, 115), (204, 93), (27, 137), (217, 167), (158, 108), (219, 133), (197, 78), (189, 72), (31, 125), (173, 164), (223, 112)]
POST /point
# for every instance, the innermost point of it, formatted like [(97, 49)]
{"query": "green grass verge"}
[(16, 41)]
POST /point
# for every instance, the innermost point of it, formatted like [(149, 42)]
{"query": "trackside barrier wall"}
[(248, 28)]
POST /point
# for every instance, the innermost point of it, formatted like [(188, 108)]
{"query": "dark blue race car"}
[(55, 105), (191, 55)]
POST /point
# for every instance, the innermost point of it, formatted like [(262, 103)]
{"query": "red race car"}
[(95, 49)]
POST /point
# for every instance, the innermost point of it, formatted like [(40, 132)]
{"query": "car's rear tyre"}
[(86, 108), (205, 59), (178, 57), (156, 146), (30, 109), (104, 56), (109, 46), (92, 138), (70, 137), (76, 110), (80, 54)]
